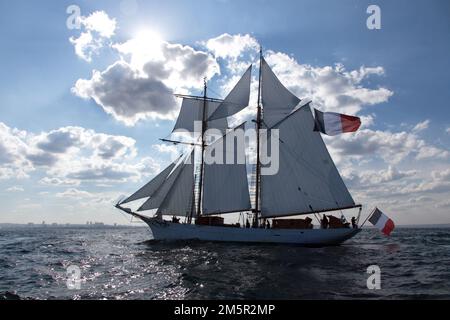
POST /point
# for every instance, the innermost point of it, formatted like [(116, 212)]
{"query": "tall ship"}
[(190, 199)]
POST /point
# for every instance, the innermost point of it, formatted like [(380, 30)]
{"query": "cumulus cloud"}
[(100, 22), (231, 46), (143, 87), (68, 140), (71, 155), (392, 147), (123, 93), (13, 151), (97, 28), (391, 174)]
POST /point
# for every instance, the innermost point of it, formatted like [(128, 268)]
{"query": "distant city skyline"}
[(82, 110)]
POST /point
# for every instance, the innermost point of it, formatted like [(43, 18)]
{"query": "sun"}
[(146, 35), (144, 46)]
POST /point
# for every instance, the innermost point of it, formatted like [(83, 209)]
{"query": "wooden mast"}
[(258, 162), (202, 164)]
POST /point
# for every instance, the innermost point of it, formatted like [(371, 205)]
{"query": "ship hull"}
[(164, 230)]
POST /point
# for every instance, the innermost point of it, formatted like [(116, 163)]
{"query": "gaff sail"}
[(225, 186), (307, 180)]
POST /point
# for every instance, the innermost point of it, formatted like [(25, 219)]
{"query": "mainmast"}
[(204, 124), (258, 162)]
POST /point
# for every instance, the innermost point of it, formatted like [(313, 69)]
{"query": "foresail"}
[(237, 99), (278, 102), (225, 186), (152, 186), (158, 197), (192, 111), (179, 199), (307, 180)]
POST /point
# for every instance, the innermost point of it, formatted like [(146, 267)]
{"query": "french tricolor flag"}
[(332, 123), (382, 222)]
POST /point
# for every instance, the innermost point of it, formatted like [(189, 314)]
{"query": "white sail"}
[(237, 99), (307, 180), (192, 111), (158, 197), (179, 199), (225, 186), (152, 186), (278, 102)]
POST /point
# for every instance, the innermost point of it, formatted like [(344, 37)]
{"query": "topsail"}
[(278, 101), (237, 99), (192, 111)]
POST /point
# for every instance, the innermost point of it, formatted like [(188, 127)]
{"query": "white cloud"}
[(52, 181), (86, 46), (15, 189), (388, 175), (421, 126), (100, 22), (71, 155), (428, 151), (447, 130), (441, 175), (231, 46), (123, 93), (13, 150), (98, 27), (392, 147), (74, 194), (143, 87)]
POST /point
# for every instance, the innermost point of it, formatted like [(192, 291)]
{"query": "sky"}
[(81, 109)]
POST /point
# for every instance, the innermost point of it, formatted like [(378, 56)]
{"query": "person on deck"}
[(354, 225), (324, 222), (247, 224), (175, 219), (267, 224)]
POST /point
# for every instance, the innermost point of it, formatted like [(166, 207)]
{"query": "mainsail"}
[(192, 111), (307, 180), (225, 186), (148, 190), (278, 101)]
